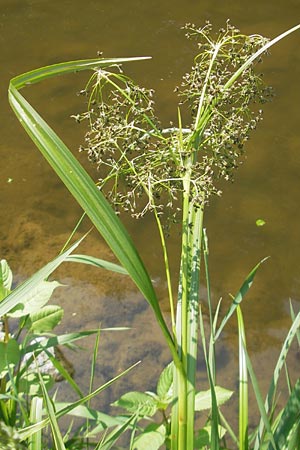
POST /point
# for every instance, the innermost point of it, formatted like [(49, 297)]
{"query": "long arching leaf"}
[(80, 184)]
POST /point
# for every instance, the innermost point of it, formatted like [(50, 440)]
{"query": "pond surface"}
[(38, 214)]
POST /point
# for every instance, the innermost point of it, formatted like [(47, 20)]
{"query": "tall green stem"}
[(196, 221), (188, 315), (182, 318)]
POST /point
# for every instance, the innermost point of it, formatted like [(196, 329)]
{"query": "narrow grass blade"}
[(26, 288), (262, 50), (273, 385), (289, 419), (260, 404), (112, 438), (56, 434), (293, 316), (42, 73), (27, 432), (96, 262), (133, 432), (92, 374), (239, 296), (211, 352), (243, 382), (215, 445), (36, 409), (294, 439), (64, 373)]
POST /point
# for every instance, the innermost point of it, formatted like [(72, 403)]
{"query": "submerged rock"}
[(44, 364)]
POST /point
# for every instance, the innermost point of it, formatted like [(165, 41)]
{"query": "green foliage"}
[(138, 402), (165, 385), (44, 320), (30, 360), (152, 438), (34, 300), (179, 165), (5, 279), (9, 438), (203, 398)]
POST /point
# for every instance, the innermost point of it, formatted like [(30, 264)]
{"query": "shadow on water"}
[(38, 214)]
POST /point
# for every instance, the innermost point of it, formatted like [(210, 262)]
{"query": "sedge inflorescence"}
[(137, 156)]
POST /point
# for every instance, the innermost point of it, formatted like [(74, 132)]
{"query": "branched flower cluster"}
[(135, 156), (232, 111)]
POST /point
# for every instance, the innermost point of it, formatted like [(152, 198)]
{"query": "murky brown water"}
[(38, 213)]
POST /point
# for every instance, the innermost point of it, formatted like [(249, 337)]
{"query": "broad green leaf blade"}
[(84, 190), (101, 263), (165, 383), (34, 300), (203, 398), (9, 354), (5, 279), (239, 296), (203, 438), (25, 288), (84, 412), (30, 385), (45, 320), (137, 402), (152, 438)]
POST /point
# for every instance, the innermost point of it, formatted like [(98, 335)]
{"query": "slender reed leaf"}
[(215, 445), (274, 381), (293, 316), (239, 296), (56, 434), (96, 262), (42, 73), (27, 432), (36, 410), (243, 383), (260, 404), (82, 187), (290, 418), (211, 352), (112, 438)]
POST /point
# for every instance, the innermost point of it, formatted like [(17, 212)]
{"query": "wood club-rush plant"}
[(170, 173)]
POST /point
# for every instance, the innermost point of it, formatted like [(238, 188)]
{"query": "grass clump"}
[(171, 172)]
